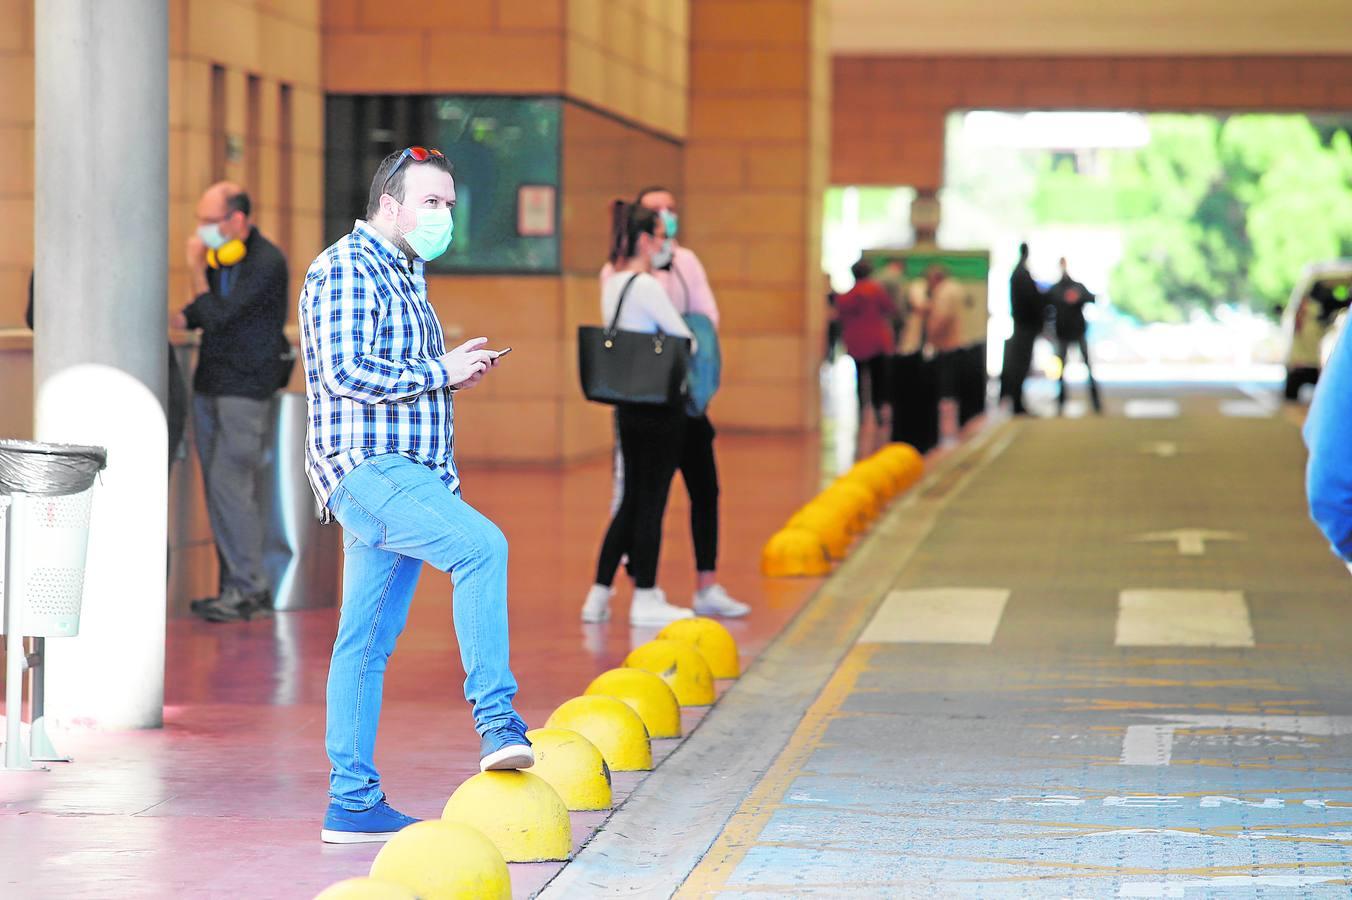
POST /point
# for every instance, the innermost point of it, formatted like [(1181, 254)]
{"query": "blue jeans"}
[(396, 514)]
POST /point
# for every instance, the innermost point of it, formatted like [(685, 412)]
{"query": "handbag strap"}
[(614, 325)]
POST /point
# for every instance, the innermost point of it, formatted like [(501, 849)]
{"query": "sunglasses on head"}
[(417, 154)]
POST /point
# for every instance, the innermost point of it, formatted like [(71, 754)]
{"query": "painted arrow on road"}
[(1191, 541)]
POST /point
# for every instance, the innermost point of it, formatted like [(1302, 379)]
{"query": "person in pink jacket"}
[(682, 276)]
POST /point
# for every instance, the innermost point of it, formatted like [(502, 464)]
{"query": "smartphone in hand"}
[(501, 353)]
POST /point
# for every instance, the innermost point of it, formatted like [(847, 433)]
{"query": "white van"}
[(1310, 332)]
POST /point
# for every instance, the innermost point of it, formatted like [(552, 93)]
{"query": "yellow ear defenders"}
[(230, 254)]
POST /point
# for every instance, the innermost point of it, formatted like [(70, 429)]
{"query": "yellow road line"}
[(750, 820)]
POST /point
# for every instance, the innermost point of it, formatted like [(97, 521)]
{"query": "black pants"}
[(651, 440), (699, 471), (915, 402), (1018, 363), (972, 382), (947, 365), (1297, 378), (1063, 345), (871, 381)]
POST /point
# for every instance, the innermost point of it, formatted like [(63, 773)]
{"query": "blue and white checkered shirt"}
[(373, 378)]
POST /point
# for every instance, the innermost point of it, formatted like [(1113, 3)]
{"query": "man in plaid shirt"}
[(379, 456)]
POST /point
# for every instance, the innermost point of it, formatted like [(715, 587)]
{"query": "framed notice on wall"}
[(535, 210)]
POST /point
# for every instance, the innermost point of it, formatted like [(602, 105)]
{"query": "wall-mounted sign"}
[(535, 210)]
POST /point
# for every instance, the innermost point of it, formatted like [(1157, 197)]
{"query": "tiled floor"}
[(226, 800)]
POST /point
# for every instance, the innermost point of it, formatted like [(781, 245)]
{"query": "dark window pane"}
[(498, 145)]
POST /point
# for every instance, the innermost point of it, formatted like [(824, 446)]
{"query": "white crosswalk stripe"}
[(1151, 409), (1145, 618), (938, 616), (1173, 618)]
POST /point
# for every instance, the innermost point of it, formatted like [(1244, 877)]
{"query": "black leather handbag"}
[(631, 366)]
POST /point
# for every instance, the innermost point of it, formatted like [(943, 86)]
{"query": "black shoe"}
[(219, 613), (200, 604), (259, 605), (232, 605)]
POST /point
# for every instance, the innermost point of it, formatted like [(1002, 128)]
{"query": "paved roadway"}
[(1089, 658)]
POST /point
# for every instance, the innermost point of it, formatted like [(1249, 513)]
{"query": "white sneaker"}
[(714, 601), (650, 608), (596, 608)]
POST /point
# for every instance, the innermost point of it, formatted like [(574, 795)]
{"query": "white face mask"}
[(432, 235), (662, 257), (211, 235)]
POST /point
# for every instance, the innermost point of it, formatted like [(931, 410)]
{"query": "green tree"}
[(1218, 210), (1301, 213), (1183, 243)]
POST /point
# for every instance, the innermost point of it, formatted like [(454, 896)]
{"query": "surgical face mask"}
[(432, 235), (211, 235), (661, 257), (672, 222)]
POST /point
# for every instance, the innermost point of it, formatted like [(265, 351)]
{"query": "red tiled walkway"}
[(227, 799)]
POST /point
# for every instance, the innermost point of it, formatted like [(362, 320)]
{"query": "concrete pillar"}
[(755, 172), (100, 240)]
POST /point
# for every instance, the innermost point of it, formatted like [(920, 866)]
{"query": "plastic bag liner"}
[(28, 467)]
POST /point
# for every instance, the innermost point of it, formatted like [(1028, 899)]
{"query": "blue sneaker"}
[(369, 826), (506, 747)]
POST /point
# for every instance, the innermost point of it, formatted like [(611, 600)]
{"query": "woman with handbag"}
[(682, 276), (650, 433)]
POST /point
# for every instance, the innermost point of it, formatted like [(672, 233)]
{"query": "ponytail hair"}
[(627, 222)]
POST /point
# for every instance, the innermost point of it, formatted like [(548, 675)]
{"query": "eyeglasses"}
[(417, 154)]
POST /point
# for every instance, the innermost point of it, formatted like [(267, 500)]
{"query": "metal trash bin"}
[(46, 493), (301, 558)]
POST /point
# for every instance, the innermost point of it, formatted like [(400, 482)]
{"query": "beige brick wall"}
[(631, 57), (628, 58), (604, 159), (888, 118), (752, 104), (1042, 27), (515, 416), (277, 41), (755, 168), (16, 157), (532, 409), (465, 46), (624, 58)]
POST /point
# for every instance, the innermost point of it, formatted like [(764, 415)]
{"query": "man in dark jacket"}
[(239, 283), (1069, 297), (1027, 305)]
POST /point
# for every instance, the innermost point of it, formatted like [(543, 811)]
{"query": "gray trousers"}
[(231, 445)]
